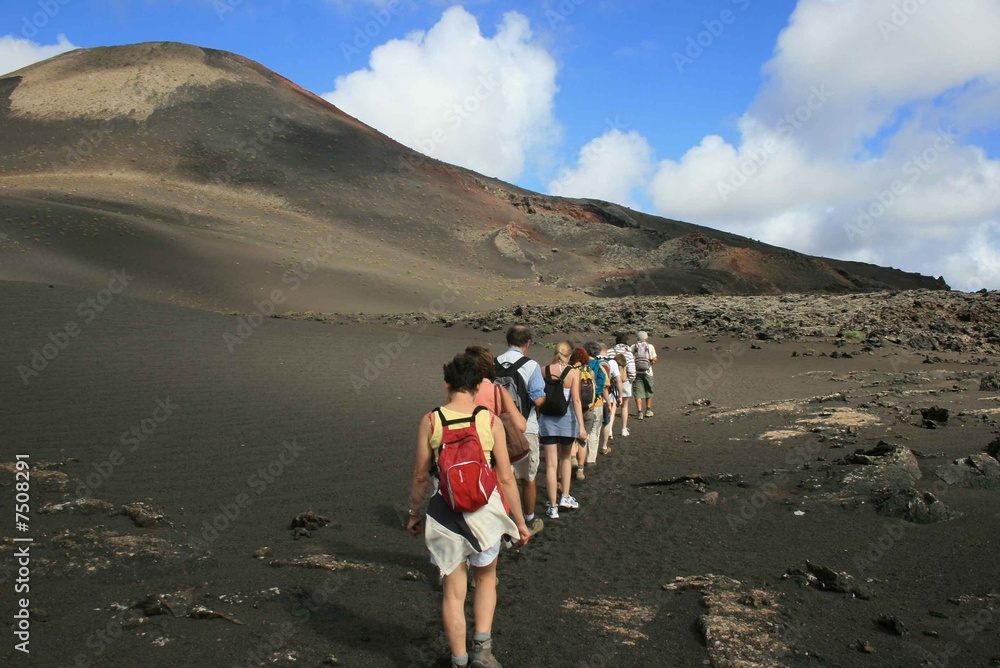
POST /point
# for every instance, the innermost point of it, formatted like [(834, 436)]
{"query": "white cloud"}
[(453, 94), (875, 56), (609, 167), (16, 52), (855, 145)]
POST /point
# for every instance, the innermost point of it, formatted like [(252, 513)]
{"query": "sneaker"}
[(640, 416), (535, 525), (552, 512), (649, 412), (569, 503), (625, 433), (580, 475), (482, 656)]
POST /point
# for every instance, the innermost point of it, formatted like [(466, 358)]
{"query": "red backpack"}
[(465, 478)]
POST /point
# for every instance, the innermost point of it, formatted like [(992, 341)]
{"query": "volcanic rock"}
[(825, 578), (913, 506), (892, 624), (993, 449), (989, 383), (935, 414), (976, 471)]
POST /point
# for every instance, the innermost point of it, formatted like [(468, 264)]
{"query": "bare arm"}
[(574, 392), (505, 478), (421, 476)]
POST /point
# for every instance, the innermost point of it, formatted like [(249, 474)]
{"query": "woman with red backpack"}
[(467, 517)]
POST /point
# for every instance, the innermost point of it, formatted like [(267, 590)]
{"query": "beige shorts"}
[(527, 468)]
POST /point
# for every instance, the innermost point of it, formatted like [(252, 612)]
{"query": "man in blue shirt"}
[(519, 339)]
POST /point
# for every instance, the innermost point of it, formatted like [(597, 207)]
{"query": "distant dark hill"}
[(218, 182)]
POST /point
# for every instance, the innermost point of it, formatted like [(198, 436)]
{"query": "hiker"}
[(525, 375), (455, 538), (645, 357), (622, 348), (614, 386), (589, 397), (602, 382), (560, 426), (494, 397)]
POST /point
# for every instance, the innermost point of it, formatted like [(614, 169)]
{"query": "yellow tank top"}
[(484, 425)]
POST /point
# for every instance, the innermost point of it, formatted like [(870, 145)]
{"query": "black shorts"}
[(557, 440)]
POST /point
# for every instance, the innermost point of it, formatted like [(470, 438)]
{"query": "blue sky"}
[(827, 126)]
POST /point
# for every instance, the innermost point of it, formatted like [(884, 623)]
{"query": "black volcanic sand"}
[(291, 382)]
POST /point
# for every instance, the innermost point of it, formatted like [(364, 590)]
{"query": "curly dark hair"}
[(464, 373)]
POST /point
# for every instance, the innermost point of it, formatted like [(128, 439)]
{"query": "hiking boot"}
[(580, 475), (552, 512), (569, 503), (625, 433), (535, 525), (649, 412), (482, 656)]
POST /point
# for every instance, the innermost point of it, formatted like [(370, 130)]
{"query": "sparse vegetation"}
[(853, 335)]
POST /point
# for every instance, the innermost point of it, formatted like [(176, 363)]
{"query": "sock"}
[(528, 518), (482, 637), (460, 660), (579, 467)]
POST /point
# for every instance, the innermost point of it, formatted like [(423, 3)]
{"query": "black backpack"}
[(509, 377), (555, 399), (588, 389)]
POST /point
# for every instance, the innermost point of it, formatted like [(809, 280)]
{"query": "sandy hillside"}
[(214, 180)]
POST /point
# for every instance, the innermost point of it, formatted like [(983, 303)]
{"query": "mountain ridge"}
[(214, 177)]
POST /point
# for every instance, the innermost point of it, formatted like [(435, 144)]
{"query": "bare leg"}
[(551, 472), (625, 401), (484, 602), (453, 608), (529, 496), (606, 430), (565, 467)]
